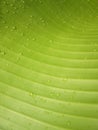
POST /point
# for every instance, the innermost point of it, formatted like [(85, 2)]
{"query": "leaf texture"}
[(48, 65)]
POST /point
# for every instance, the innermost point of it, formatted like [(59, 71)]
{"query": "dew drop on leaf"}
[(18, 57), (22, 34), (14, 28), (15, 8), (2, 52), (42, 20), (40, 1), (31, 16), (33, 39), (7, 11), (3, 21), (58, 94), (48, 80), (4, 2), (50, 41), (11, 4), (28, 39), (31, 94), (7, 64), (13, 12), (65, 79), (23, 1), (6, 27), (68, 123)]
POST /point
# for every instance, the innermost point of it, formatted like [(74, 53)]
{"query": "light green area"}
[(48, 64)]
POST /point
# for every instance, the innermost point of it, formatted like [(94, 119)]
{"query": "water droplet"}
[(7, 64), (64, 79), (58, 94), (22, 34), (14, 12), (6, 27), (31, 16), (2, 53), (28, 39), (68, 123), (72, 26), (19, 56), (11, 4), (50, 41), (14, 28), (33, 39), (23, 1), (7, 11), (4, 21), (40, 1), (31, 94), (64, 21), (15, 8), (48, 80), (20, 53), (42, 20), (64, 0), (4, 2)]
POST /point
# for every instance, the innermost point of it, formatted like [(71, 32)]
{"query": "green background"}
[(48, 64)]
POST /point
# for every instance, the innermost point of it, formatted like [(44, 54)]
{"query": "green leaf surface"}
[(48, 64)]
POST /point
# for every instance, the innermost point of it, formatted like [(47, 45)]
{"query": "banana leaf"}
[(48, 65)]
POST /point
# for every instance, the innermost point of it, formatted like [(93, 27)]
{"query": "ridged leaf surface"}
[(48, 65)]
